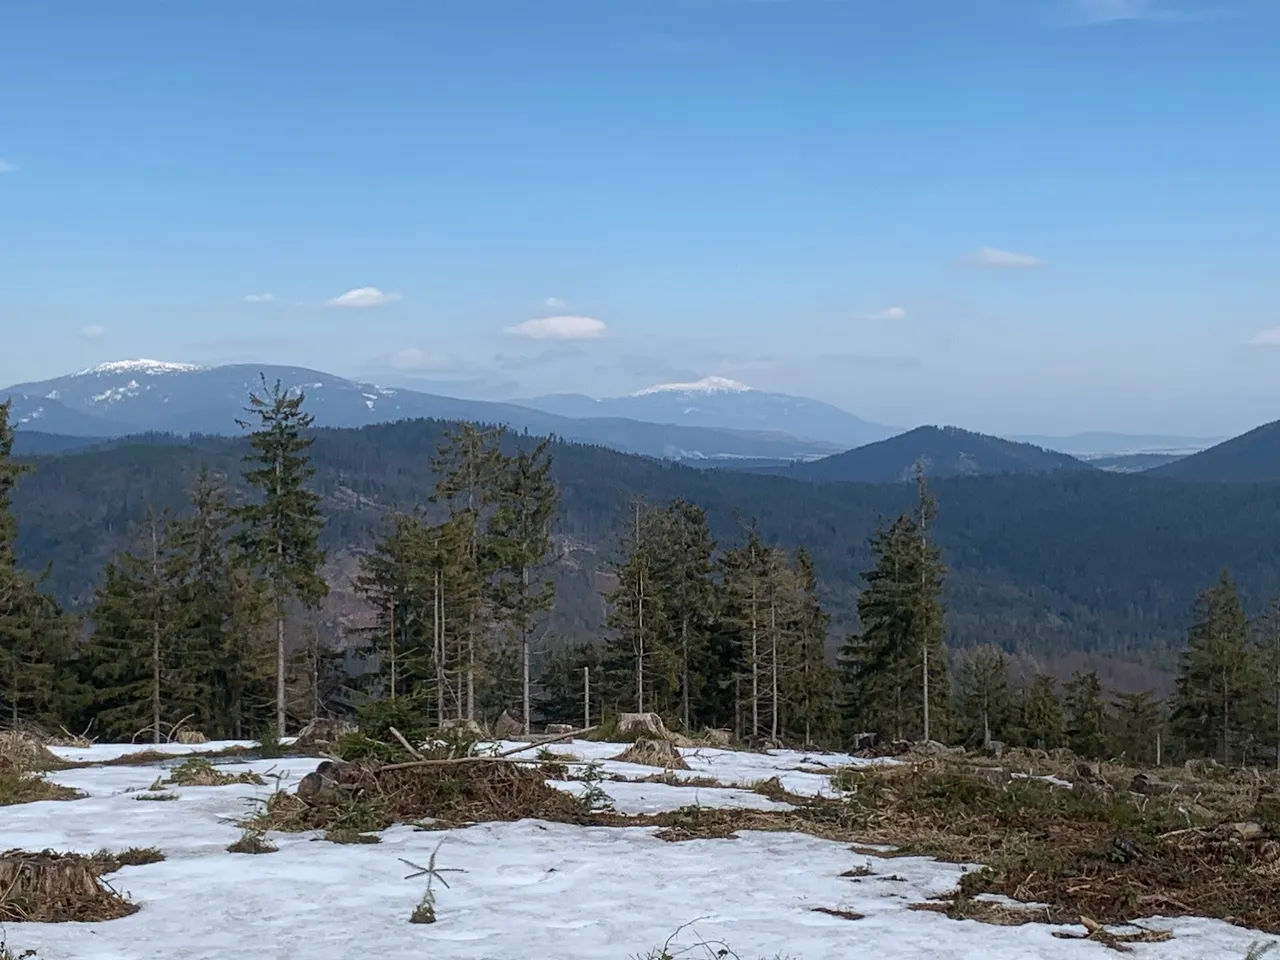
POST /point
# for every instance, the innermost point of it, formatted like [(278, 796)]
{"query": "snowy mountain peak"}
[(149, 367), (706, 385)]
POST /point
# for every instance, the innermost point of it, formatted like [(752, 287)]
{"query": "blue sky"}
[(1015, 215)]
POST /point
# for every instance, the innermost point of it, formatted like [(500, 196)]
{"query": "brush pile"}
[(365, 796), (51, 887)]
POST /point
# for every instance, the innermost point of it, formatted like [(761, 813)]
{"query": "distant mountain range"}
[(724, 405), (139, 396), (942, 452), (709, 422)]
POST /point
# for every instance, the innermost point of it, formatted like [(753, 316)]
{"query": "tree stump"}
[(650, 723), (556, 729), (323, 731), (507, 727)]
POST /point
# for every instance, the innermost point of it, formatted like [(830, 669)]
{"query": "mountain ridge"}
[(122, 398)]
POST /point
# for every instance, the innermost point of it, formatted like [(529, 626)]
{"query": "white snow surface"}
[(530, 889), (706, 385), (150, 367)]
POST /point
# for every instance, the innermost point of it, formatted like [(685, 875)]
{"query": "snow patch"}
[(148, 367), (707, 385)]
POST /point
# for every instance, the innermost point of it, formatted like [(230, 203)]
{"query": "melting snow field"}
[(535, 890)]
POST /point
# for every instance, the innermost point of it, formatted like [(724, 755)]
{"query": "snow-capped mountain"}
[(137, 396), (720, 403)]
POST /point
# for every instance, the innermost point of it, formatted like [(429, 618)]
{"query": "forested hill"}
[(1252, 457), (1054, 564), (940, 451)]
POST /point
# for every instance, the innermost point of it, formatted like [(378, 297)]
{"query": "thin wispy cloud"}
[(992, 259), (559, 328), (1096, 12), (93, 332), (7, 166), (260, 298), (555, 303), (417, 360), (890, 314), (363, 297), (1269, 337)]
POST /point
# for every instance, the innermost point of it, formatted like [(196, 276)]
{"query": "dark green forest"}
[(207, 608), (1048, 564)]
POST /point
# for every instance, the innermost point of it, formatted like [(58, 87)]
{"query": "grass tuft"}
[(199, 772), (252, 842)]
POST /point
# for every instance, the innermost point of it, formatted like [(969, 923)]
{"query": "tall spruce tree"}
[(222, 610), (745, 575), (1219, 685), (885, 666), (633, 610), (280, 535), (468, 466), (810, 685), (683, 583), (522, 551)]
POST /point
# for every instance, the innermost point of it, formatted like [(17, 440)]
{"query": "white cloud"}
[(93, 332), (363, 297), (559, 328), (555, 303), (1116, 11), (260, 298), (992, 258), (7, 166), (1269, 337), (892, 313)]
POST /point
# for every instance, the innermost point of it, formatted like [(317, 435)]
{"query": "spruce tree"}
[(1219, 686), (35, 635), (133, 656), (397, 579), (1040, 721), (280, 535), (467, 466), (226, 660), (1087, 718), (631, 609), (683, 584), (985, 702), (897, 662), (1268, 652), (745, 573), (521, 548), (810, 685), (1137, 727)]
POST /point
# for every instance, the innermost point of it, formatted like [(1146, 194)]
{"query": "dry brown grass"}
[(252, 842), (199, 772), (51, 887)]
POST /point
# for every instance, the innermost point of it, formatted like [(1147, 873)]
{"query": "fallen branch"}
[(405, 743)]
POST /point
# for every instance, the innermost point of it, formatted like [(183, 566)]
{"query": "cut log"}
[(557, 728)]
